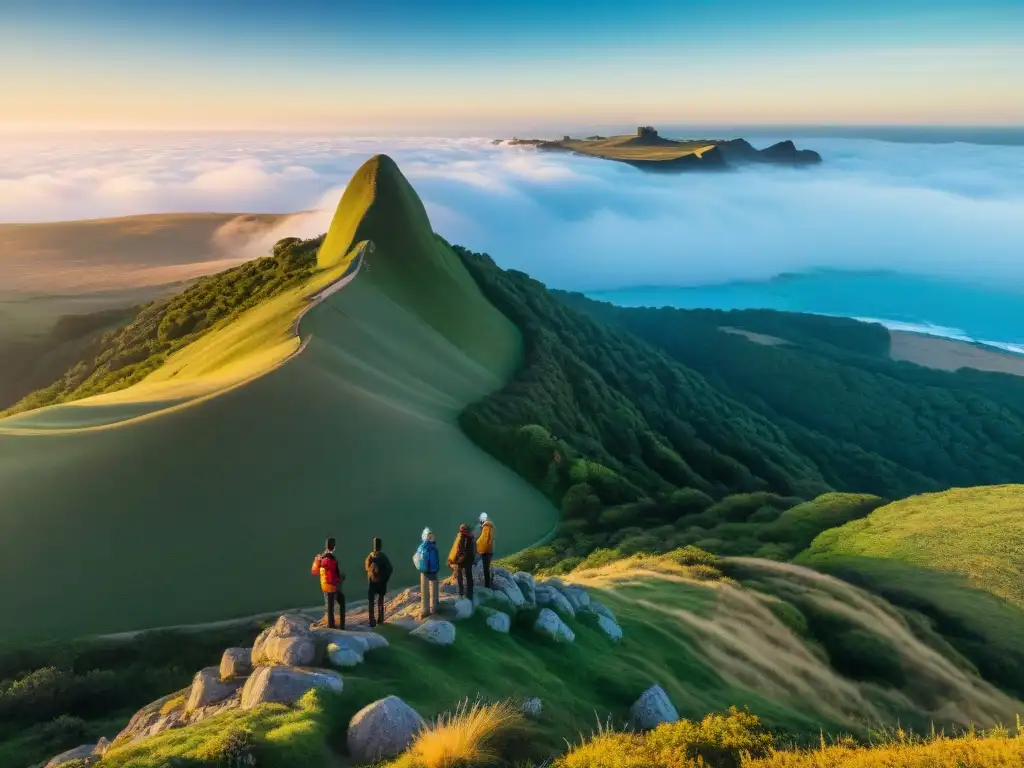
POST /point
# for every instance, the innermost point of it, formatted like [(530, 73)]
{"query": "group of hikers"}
[(467, 548)]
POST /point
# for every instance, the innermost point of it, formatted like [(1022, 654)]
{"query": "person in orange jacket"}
[(460, 560), (485, 546), (325, 565)]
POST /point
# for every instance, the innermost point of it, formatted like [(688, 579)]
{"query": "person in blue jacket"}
[(428, 562)]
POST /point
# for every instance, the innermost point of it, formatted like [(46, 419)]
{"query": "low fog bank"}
[(952, 210)]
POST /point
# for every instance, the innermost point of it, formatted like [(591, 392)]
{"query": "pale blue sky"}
[(462, 65)]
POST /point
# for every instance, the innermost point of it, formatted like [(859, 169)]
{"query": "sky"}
[(466, 67), (939, 209)]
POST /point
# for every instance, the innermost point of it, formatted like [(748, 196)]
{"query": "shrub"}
[(470, 736)]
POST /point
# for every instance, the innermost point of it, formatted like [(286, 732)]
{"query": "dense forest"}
[(654, 429), (104, 361)]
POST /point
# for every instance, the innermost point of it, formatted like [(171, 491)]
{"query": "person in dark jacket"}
[(460, 560), (378, 572), (325, 565)]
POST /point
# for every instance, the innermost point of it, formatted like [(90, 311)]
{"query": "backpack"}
[(315, 570), (420, 559), (376, 570)]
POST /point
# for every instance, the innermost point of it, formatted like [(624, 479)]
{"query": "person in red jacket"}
[(325, 566)]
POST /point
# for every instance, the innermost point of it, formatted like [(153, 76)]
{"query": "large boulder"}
[(288, 642), (286, 685), (360, 642), (526, 586), (341, 656), (85, 752), (551, 597), (551, 626), (498, 621), (435, 631), (208, 688), (460, 607), (382, 730), (156, 717), (511, 590), (602, 610), (610, 628), (652, 709), (577, 596), (236, 662)]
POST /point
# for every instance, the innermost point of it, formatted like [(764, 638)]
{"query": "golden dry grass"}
[(469, 736), (126, 252)]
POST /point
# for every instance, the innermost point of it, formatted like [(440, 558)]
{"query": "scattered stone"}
[(382, 730), (577, 596), (288, 642), (208, 688), (461, 607), (551, 626), (498, 570), (286, 685), (236, 662), (436, 631), (602, 610), (85, 752), (532, 708), (652, 708), (360, 642), (510, 589), (526, 586), (341, 656), (498, 621), (610, 628), (550, 596)]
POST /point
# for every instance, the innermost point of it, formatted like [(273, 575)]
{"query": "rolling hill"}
[(203, 491)]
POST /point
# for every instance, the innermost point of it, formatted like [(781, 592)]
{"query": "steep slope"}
[(956, 557), (213, 502), (415, 269)]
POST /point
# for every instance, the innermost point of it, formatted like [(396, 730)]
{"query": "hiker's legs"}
[(329, 608), (382, 589), (458, 577), (371, 603), (468, 569), (424, 595), (340, 597), (434, 590), (487, 568)]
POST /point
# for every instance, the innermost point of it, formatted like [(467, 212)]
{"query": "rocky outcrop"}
[(158, 716), (361, 642), (208, 688), (610, 628), (436, 632), (382, 730), (498, 621), (527, 586), (551, 597), (551, 626), (289, 642), (652, 709), (345, 658), (532, 708), (286, 685), (510, 589), (577, 597), (602, 610), (458, 607), (786, 153), (236, 662), (86, 752)]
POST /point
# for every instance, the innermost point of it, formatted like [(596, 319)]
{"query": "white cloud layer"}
[(941, 209)]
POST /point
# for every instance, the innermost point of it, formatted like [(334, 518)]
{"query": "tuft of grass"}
[(469, 736), (720, 740)]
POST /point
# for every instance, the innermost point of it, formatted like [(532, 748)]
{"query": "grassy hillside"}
[(214, 507), (870, 424), (709, 642), (953, 558), (415, 268)]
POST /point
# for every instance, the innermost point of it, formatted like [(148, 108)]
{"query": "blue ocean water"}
[(990, 315)]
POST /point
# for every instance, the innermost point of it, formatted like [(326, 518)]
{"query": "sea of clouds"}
[(953, 210)]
